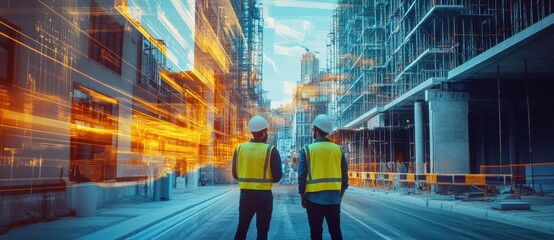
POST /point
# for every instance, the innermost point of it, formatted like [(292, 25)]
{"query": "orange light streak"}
[(95, 129), (170, 81), (14, 119), (205, 75), (199, 99), (164, 141), (206, 40)]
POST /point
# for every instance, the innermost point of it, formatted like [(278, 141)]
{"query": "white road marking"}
[(365, 225)]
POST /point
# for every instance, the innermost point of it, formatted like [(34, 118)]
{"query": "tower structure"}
[(309, 67)]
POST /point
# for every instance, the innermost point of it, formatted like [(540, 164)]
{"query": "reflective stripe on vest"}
[(253, 168), (324, 166)]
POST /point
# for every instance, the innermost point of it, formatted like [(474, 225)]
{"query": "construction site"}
[(119, 119), (448, 93)]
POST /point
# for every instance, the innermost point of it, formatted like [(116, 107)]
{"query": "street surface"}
[(364, 216)]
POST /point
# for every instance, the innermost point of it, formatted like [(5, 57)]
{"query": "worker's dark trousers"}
[(254, 202), (316, 213)]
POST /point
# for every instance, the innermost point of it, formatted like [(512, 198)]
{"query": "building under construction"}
[(445, 87), (238, 24)]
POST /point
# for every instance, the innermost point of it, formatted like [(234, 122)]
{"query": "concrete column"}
[(419, 142), (192, 183), (482, 139), (512, 136), (448, 132), (86, 199)]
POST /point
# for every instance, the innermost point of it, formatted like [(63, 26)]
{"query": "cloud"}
[(270, 61), (288, 51), (287, 32), (306, 25), (269, 22)]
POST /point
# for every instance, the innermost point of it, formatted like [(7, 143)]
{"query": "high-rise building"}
[(310, 100), (309, 67)]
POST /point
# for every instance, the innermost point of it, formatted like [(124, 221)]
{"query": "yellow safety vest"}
[(252, 165), (324, 166)]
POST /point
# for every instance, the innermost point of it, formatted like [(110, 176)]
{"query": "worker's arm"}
[(302, 175), (234, 167), (344, 170), (275, 163)]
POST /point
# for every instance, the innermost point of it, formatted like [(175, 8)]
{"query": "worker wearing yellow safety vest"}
[(256, 166), (322, 180)]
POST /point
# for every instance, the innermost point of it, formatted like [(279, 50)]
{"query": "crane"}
[(307, 49)]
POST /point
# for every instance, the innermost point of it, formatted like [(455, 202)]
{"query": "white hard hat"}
[(257, 123), (324, 123)]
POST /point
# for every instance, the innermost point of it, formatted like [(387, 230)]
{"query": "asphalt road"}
[(363, 216)]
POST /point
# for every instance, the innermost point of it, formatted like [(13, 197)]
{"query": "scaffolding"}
[(238, 93), (379, 50), (250, 56)]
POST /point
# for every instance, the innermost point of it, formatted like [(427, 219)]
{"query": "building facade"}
[(93, 95), (309, 67)]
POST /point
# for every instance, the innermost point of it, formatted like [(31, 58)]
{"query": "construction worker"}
[(256, 166), (322, 180)]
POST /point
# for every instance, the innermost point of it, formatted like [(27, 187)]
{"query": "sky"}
[(290, 26)]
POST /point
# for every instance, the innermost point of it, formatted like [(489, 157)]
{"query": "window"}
[(7, 52), (150, 61), (106, 39), (93, 136)]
